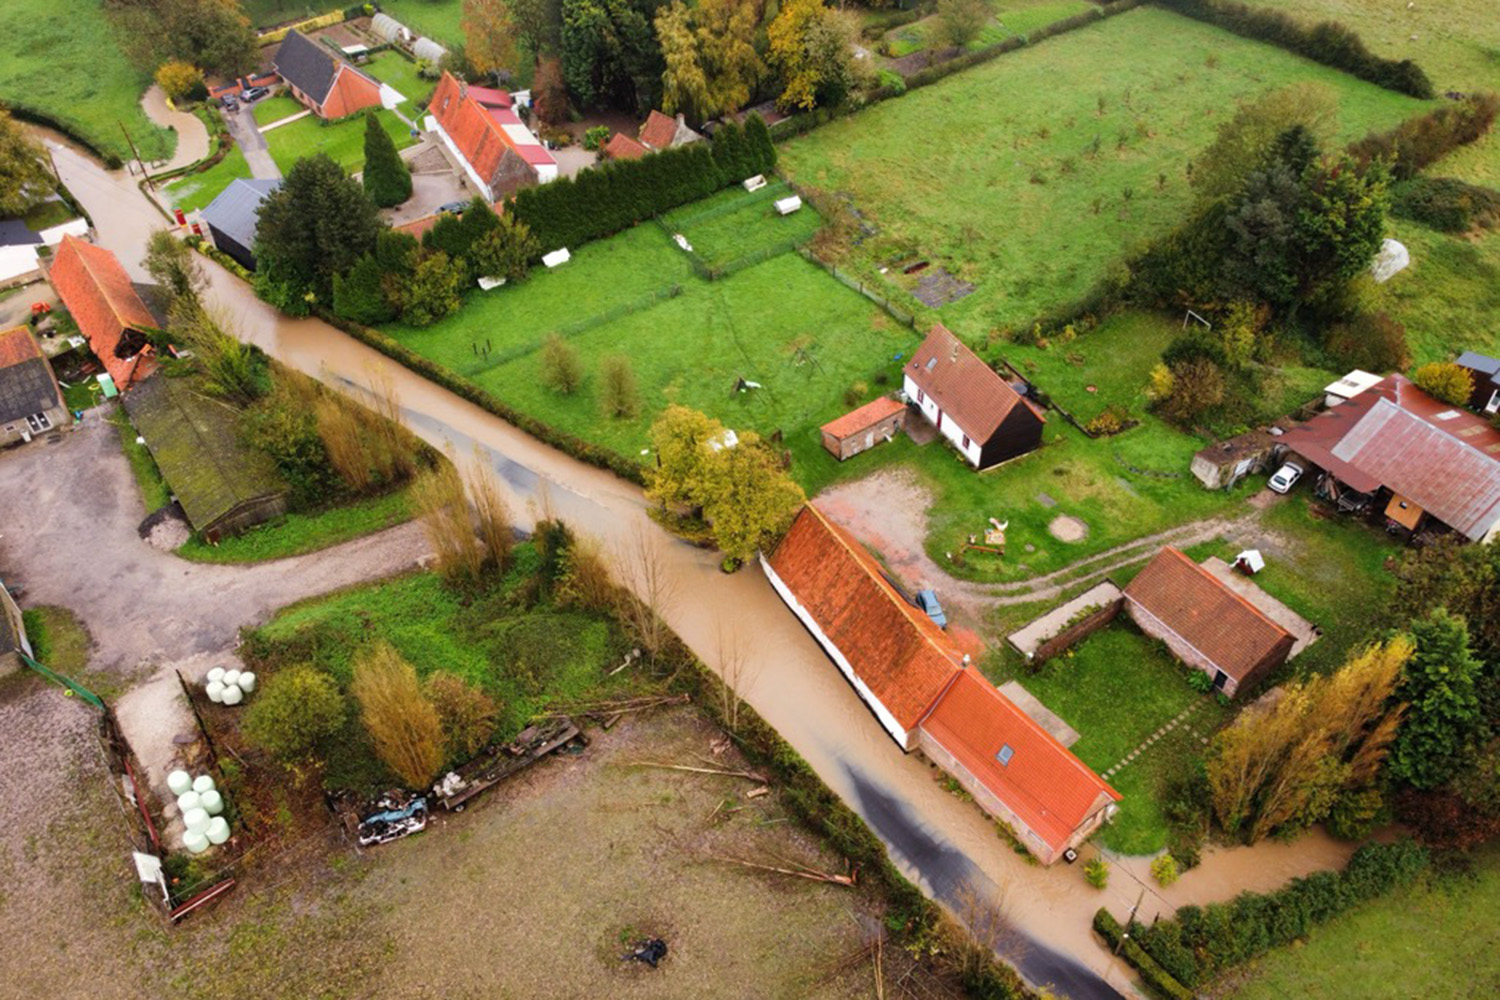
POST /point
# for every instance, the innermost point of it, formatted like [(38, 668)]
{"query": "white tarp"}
[(557, 257), (1390, 261), (486, 284), (1252, 560)]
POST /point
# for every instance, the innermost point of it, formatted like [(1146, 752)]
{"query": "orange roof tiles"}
[(479, 131), (17, 345), (659, 130), (968, 391), (1047, 787), (865, 416), (352, 91), (1212, 618), (896, 650), (98, 293), (622, 147)]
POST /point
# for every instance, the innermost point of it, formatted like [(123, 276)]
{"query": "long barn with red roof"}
[(497, 152), (927, 697), (109, 312)]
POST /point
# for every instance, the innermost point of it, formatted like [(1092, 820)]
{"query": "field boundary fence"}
[(853, 282)]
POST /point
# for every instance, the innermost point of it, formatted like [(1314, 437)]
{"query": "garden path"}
[(192, 135)]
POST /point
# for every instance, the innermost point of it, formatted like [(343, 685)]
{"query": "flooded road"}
[(942, 843)]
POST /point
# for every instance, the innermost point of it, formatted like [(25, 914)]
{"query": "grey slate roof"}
[(306, 65), (233, 212), (25, 389), (15, 233), (1480, 363)]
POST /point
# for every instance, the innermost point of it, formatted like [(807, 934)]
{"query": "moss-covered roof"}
[(196, 443)]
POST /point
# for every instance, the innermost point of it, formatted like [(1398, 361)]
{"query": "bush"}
[(1157, 979), (299, 708), (1373, 343), (1423, 140), (1446, 204), (467, 714), (1164, 869), (561, 370), (179, 79), (1448, 382), (620, 395), (1097, 873), (891, 82), (1327, 42), (595, 138), (403, 725)]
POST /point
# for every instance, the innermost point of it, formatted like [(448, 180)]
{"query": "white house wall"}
[(903, 739), (948, 428), (479, 185)]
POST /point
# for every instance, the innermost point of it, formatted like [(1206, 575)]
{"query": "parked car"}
[(1285, 477), (255, 94), (228, 103), (928, 602), (453, 208)]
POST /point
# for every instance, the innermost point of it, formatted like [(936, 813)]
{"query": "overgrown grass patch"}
[(1012, 17), (401, 73), (62, 58), (735, 224), (154, 492), (298, 533), (58, 639), (1450, 295), (1034, 199)]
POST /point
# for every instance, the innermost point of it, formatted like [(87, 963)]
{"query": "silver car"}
[(1286, 477)]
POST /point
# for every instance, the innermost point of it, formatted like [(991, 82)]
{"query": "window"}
[(921, 396), (966, 442), (38, 422), (932, 362), (1005, 754)]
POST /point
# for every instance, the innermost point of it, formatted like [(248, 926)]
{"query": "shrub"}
[(467, 714), (179, 79), (506, 251), (1448, 382), (440, 501), (300, 707), (1097, 873), (432, 289), (1111, 420), (1423, 140), (619, 393), (595, 138), (1355, 814), (403, 725), (1164, 868), (1373, 343), (561, 370), (1446, 204), (1200, 681), (891, 82), (1156, 978)]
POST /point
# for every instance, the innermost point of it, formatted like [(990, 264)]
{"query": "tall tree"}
[(1242, 144), (489, 35), (214, 34), (24, 176), (387, 179), (610, 53), (549, 94), (1445, 718), (316, 225), (173, 265), (710, 57), (812, 48)]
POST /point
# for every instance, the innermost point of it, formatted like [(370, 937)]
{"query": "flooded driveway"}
[(942, 843)]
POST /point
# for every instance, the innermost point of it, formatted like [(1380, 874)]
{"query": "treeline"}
[(1327, 42), (607, 199)]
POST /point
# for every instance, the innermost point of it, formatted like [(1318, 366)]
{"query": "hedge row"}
[(612, 197), (584, 451), (1422, 140), (1158, 980), (1202, 942), (1327, 42), (1446, 204)]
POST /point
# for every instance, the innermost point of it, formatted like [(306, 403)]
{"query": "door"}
[(1494, 403), (869, 439), (1220, 679)]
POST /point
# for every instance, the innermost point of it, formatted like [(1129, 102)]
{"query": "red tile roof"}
[(895, 650), (659, 130), (1443, 458), (417, 227), (98, 293), (491, 98), (479, 131), (17, 345), (1051, 790), (866, 416), (352, 91), (1215, 620), (622, 147), (968, 391)]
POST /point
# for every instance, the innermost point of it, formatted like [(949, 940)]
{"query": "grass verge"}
[(297, 534), (154, 492)]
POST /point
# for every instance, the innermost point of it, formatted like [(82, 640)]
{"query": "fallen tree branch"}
[(617, 707), (799, 871), (723, 772)]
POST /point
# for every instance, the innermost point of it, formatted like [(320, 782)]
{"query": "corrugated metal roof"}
[(234, 211)]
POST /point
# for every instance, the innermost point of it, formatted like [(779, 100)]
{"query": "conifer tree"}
[(387, 180)]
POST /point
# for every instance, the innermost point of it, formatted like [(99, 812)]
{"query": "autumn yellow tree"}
[(812, 48), (710, 57), (401, 720), (489, 34), (178, 79)]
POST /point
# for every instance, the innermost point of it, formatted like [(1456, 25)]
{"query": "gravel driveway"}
[(70, 537)]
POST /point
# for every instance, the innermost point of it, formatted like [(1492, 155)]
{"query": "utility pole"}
[(1124, 934), (145, 176)]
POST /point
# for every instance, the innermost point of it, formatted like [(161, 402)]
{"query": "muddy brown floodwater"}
[(941, 842)]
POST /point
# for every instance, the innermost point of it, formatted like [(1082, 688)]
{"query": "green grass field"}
[(401, 73), (265, 13), (1012, 17), (191, 192), (274, 109), (295, 534), (437, 19), (782, 323), (733, 224), (61, 58), (992, 173), (344, 142), (1116, 688), (1450, 295), (1435, 941)]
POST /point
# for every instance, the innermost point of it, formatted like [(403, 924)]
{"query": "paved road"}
[(252, 143)]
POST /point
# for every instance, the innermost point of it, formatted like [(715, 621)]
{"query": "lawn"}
[(1450, 295), (266, 13), (1012, 17), (191, 192), (1116, 688), (783, 323), (295, 534), (1435, 941), (275, 108), (398, 71), (733, 224), (345, 141), (1033, 174), (63, 59)]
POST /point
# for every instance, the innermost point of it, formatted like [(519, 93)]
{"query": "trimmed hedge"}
[(1203, 942), (577, 447), (1327, 42), (1422, 140), (614, 196), (1158, 980), (1446, 204)]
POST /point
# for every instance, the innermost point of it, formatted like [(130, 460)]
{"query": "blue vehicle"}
[(928, 602), (397, 817)]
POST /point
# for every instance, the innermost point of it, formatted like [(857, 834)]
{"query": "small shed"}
[(223, 485), (1346, 388), (863, 428), (1220, 466)]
